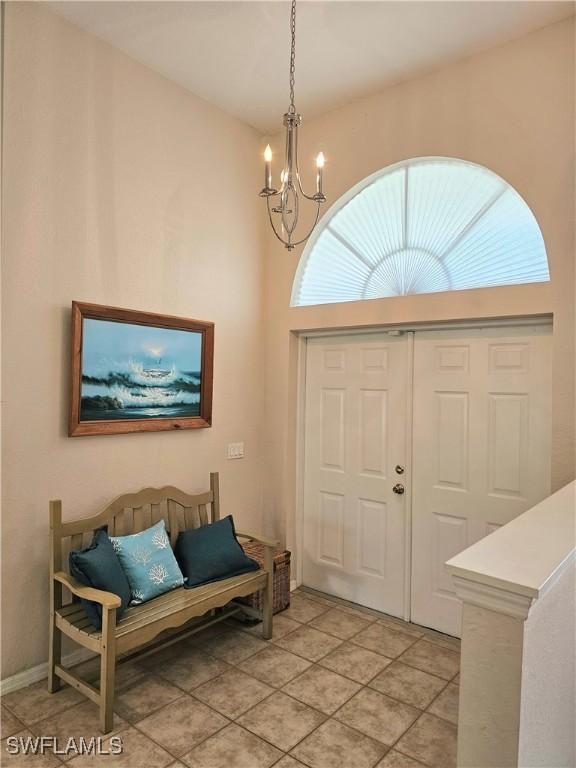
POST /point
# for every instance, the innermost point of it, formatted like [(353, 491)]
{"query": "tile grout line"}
[(66, 709), (394, 746), (166, 749), (448, 684), (17, 720)]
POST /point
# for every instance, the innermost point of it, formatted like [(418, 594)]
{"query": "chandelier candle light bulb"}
[(320, 168), (268, 167), (287, 206)]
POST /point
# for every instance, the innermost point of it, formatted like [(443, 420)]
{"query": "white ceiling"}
[(235, 54)]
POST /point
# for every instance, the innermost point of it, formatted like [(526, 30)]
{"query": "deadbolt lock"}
[(398, 488), (399, 469)]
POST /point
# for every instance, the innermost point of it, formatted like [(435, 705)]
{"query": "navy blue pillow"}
[(98, 567), (211, 553)]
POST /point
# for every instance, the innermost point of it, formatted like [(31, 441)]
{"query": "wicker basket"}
[(281, 576)]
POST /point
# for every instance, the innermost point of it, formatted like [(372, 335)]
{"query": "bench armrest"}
[(260, 539), (106, 599)]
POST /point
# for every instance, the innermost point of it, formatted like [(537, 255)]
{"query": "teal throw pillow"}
[(148, 562), (97, 566), (211, 553)]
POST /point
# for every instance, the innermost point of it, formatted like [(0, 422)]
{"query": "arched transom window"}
[(421, 226)]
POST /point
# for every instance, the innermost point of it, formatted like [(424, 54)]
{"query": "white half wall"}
[(518, 667)]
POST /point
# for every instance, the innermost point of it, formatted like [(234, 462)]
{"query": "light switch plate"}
[(235, 450)]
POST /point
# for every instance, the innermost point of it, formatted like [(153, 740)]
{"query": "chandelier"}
[(284, 204)]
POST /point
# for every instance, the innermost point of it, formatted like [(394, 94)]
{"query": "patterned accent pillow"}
[(148, 562)]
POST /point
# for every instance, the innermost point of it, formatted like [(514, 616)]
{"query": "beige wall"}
[(120, 188), (510, 109)]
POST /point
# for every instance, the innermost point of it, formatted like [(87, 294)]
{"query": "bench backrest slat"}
[(139, 519), (189, 517), (157, 513), (203, 514), (132, 513), (119, 519), (172, 523)]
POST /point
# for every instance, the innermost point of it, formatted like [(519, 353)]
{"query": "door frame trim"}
[(302, 352), (301, 338), (408, 473), (444, 325)]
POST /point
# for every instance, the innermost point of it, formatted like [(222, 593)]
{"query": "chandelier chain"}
[(292, 107)]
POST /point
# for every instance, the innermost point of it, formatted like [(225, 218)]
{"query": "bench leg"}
[(268, 594), (54, 656), (54, 637), (107, 669)]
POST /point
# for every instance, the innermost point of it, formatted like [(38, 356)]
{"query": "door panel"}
[(481, 449), (355, 434)]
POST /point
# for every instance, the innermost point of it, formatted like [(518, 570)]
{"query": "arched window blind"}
[(421, 226)]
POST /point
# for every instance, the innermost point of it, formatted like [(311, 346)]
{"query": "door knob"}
[(398, 488)]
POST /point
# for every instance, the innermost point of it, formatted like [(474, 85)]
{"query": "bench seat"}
[(142, 623)]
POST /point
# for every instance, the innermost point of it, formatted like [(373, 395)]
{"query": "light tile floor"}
[(339, 686)]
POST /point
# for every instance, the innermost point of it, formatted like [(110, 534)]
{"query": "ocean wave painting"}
[(132, 371)]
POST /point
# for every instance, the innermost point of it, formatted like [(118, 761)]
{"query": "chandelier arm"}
[(303, 240), (285, 170), (284, 242), (297, 168), (308, 197)]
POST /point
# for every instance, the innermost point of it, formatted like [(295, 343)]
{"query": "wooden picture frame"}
[(133, 389)]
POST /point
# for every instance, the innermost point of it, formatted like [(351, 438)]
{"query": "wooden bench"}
[(140, 624)]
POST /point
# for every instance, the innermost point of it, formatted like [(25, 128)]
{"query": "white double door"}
[(416, 446)]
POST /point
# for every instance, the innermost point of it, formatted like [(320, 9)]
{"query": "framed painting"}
[(138, 371)]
